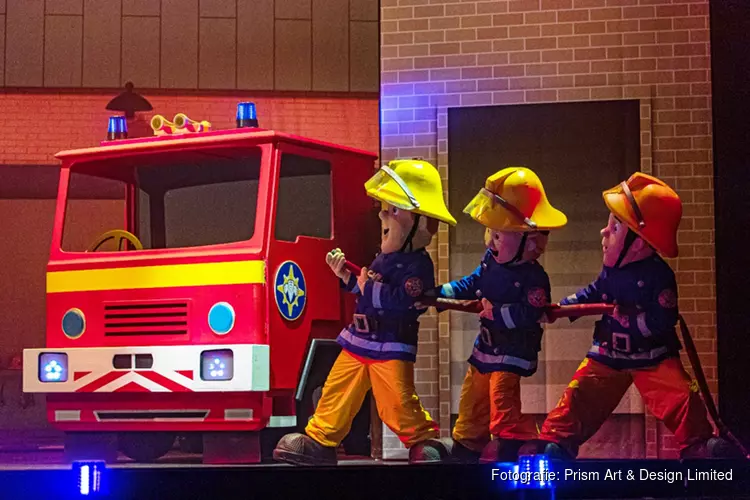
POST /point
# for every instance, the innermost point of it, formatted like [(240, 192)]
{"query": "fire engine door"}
[(303, 292)]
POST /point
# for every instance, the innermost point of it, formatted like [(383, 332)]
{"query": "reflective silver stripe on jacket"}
[(502, 359), (377, 346)]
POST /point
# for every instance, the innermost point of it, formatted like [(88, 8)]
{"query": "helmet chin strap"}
[(407, 246), (521, 248), (629, 240)]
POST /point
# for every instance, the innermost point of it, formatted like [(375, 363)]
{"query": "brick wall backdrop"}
[(36, 126), (441, 53)]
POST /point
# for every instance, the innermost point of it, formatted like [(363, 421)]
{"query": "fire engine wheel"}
[(146, 446)]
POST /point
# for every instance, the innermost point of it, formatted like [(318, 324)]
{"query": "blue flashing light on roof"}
[(246, 116), (117, 128)]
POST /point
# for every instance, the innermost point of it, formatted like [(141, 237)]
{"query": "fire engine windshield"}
[(173, 200)]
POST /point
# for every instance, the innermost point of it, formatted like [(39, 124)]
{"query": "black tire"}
[(191, 443), (146, 446), (357, 442), (324, 355)]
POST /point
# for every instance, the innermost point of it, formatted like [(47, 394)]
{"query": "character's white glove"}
[(336, 260), (364, 275)]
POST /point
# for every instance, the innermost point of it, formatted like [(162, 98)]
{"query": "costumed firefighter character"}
[(514, 290), (380, 346), (638, 343)]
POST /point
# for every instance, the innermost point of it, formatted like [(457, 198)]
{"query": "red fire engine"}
[(195, 299)]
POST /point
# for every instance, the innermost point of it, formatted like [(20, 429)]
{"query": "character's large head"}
[(411, 197), (514, 208), (644, 216)]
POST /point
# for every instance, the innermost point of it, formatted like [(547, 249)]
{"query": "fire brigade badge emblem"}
[(414, 287), (537, 297), (668, 299), (290, 290)]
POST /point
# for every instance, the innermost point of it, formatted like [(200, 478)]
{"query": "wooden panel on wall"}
[(140, 51), (64, 7), (101, 43), (330, 39), (218, 8), (62, 51), (292, 55), (2, 50), (364, 56), (283, 45), (179, 44), (293, 9), (24, 43), (218, 53), (140, 8), (255, 27), (363, 10)]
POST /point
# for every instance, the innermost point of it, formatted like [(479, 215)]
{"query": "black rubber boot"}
[(714, 447), (428, 451), (540, 447), (301, 449), (460, 454), (501, 450)]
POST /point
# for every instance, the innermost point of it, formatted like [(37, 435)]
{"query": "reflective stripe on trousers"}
[(373, 345)]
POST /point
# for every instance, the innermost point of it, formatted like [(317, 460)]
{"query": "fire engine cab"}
[(192, 298)]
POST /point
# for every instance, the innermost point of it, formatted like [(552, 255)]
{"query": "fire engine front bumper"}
[(174, 369)]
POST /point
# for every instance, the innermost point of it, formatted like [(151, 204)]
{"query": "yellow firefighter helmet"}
[(412, 185), (513, 199)]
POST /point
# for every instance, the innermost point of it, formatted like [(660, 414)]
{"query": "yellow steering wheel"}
[(119, 235)]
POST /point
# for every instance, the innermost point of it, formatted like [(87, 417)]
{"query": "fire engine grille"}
[(154, 318), (152, 415)]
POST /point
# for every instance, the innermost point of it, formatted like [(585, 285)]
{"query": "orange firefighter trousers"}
[(392, 384), (490, 405), (596, 390)]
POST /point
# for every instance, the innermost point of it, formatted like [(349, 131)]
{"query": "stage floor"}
[(44, 474)]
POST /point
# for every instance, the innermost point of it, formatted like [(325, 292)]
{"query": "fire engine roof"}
[(182, 142)]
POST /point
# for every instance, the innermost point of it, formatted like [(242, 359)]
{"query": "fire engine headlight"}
[(217, 365), (73, 323), (221, 318), (53, 367)]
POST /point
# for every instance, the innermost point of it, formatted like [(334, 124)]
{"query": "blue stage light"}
[(537, 468), (89, 477)]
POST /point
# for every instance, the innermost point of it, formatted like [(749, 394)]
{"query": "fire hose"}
[(554, 312), (700, 377)]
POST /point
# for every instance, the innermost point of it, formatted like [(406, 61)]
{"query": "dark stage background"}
[(730, 56)]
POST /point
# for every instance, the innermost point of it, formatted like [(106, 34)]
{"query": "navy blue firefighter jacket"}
[(647, 292), (386, 325), (519, 293)]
